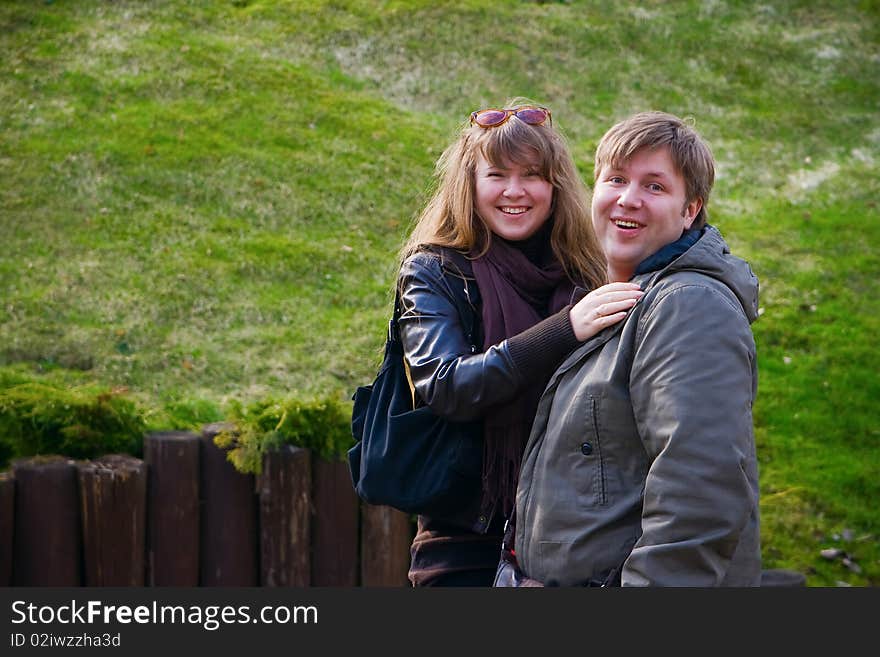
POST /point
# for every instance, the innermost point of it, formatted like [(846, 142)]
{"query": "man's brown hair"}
[(651, 130)]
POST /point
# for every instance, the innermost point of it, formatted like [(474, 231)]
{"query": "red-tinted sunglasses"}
[(492, 118)]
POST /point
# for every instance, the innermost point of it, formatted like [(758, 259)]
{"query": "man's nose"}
[(629, 197)]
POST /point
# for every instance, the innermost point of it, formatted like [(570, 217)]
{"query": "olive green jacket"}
[(642, 454)]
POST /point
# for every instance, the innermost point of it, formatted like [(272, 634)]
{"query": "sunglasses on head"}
[(492, 118)]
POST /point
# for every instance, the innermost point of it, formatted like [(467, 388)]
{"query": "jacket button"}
[(586, 449)]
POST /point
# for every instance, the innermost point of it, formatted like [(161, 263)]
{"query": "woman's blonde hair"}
[(450, 218)]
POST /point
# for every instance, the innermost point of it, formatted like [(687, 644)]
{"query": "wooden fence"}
[(184, 516)]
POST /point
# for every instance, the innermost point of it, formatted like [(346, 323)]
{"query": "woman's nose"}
[(514, 187)]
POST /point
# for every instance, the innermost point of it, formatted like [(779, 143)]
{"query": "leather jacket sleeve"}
[(449, 373)]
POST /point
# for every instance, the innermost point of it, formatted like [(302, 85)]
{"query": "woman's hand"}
[(603, 307)]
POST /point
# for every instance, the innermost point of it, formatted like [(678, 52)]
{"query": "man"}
[(640, 467)]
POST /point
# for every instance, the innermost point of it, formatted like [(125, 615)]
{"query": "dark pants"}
[(444, 554), (483, 577)]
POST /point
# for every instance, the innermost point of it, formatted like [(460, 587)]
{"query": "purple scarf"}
[(516, 295)]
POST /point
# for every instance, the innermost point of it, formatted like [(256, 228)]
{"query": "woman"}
[(510, 219)]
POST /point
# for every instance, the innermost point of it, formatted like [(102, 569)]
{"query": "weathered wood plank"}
[(173, 509), (7, 526), (47, 542), (113, 508), (386, 536), (285, 530), (335, 525), (229, 526)]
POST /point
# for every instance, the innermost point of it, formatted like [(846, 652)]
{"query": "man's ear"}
[(690, 212)]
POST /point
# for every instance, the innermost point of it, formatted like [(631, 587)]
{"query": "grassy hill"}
[(201, 201)]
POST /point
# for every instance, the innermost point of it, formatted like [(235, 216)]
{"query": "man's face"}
[(640, 208)]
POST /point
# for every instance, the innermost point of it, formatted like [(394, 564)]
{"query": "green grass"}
[(201, 201)]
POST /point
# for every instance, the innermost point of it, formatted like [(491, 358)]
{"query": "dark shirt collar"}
[(669, 252)]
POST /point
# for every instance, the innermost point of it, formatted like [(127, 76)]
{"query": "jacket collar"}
[(668, 253)]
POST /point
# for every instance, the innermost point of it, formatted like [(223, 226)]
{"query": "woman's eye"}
[(655, 187), (617, 180)]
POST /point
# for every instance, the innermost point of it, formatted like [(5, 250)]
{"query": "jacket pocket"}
[(590, 468)]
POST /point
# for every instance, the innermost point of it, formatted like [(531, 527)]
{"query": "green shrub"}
[(320, 425), (81, 421), (51, 415), (183, 414)]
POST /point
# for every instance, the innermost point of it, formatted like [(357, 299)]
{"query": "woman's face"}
[(512, 198)]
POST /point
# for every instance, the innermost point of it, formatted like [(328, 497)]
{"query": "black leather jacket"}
[(451, 373)]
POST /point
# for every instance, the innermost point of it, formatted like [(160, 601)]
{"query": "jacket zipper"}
[(603, 496)]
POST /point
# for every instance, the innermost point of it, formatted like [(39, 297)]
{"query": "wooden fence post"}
[(386, 535), (7, 526), (47, 543), (113, 507), (229, 539), (285, 533), (335, 535), (173, 508)]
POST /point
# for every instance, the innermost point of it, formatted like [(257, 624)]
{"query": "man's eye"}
[(617, 180)]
